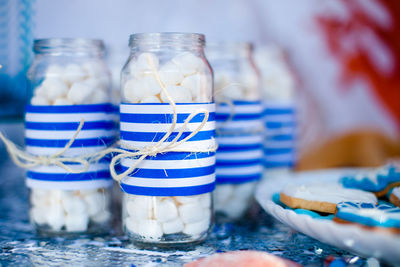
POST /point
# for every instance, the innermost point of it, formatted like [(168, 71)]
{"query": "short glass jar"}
[(239, 127), (70, 85), (162, 64)]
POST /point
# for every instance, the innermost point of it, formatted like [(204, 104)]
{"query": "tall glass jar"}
[(167, 199), (239, 127), (70, 85)]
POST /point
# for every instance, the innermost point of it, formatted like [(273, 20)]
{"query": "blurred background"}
[(343, 56)]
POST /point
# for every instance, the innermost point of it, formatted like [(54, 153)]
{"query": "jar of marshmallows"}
[(239, 127), (70, 89), (167, 114)]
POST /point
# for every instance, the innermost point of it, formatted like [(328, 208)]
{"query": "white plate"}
[(349, 237)]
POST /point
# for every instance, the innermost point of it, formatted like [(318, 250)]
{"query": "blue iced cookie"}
[(383, 215), (379, 180)]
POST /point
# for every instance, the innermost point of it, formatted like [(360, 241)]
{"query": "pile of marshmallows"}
[(153, 217), (71, 211), (184, 77), (74, 84), (241, 87)]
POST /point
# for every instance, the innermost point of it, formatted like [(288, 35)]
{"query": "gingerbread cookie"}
[(379, 180), (322, 197), (395, 196), (383, 217)]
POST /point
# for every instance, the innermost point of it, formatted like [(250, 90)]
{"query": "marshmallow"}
[(77, 222), (79, 93), (187, 199), (191, 212), (178, 93), (62, 101), (55, 216), (131, 224), (74, 73), (150, 99), (140, 208), (205, 200), (170, 74), (165, 210), (95, 203), (188, 63), (54, 71), (38, 215), (101, 217), (234, 208), (172, 227), (40, 91), (99, 97), (142, 65), (149, 229), (55, 88), (197, 228), (39, 101), (245, 190), (196, 83), (74, 205), (94, 68)]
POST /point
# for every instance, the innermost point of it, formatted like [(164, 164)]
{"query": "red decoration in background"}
[(356, 60)]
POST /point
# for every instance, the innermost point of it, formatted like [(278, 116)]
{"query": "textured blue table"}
[(19, 246)]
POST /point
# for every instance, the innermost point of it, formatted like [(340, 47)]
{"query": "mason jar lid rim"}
[(79, 42), (175, 36)]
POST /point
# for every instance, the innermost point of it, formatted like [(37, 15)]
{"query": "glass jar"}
[(239, 128), (176, 209), (70, 85), (280, 116)]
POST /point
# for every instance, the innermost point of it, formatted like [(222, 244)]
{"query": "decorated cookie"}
[(242, 259), (379, 180), (322, 197), (381, 216), (395, 196)]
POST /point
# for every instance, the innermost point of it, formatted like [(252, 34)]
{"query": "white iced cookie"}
[(322, 197)]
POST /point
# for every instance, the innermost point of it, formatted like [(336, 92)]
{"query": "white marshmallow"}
[(197, 228), (142, 65), (95, 203), (54, 71), (80, 93), (150, 99), (62, 101), (188, 63), (131, 224), (99, 97), (196, 83), (101, 217), (130, 91), (245, 190), (94, 68), (76, 222), (205, 200), (55, 216), (140, 208), (172, 227), (234, 92), (191, 212), (187, 199), (165, 210), (74, 73), (234, 208), (38, 215), (55, 88), (170, 74), (74, 205), (39, 101), (178, 94), (40, 91), (149, 229)]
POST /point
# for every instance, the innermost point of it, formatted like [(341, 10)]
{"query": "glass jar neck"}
[(152, 42), (69, 46)]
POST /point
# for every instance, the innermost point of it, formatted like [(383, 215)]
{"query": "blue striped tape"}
[(68, 177), (170, 191), (278, 111), (233, 147), (236, 163), (278, 151), (239, 117), (177, 177), (93, 108), (65, 126), (157, 136), (90, 142), (162, 118)]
